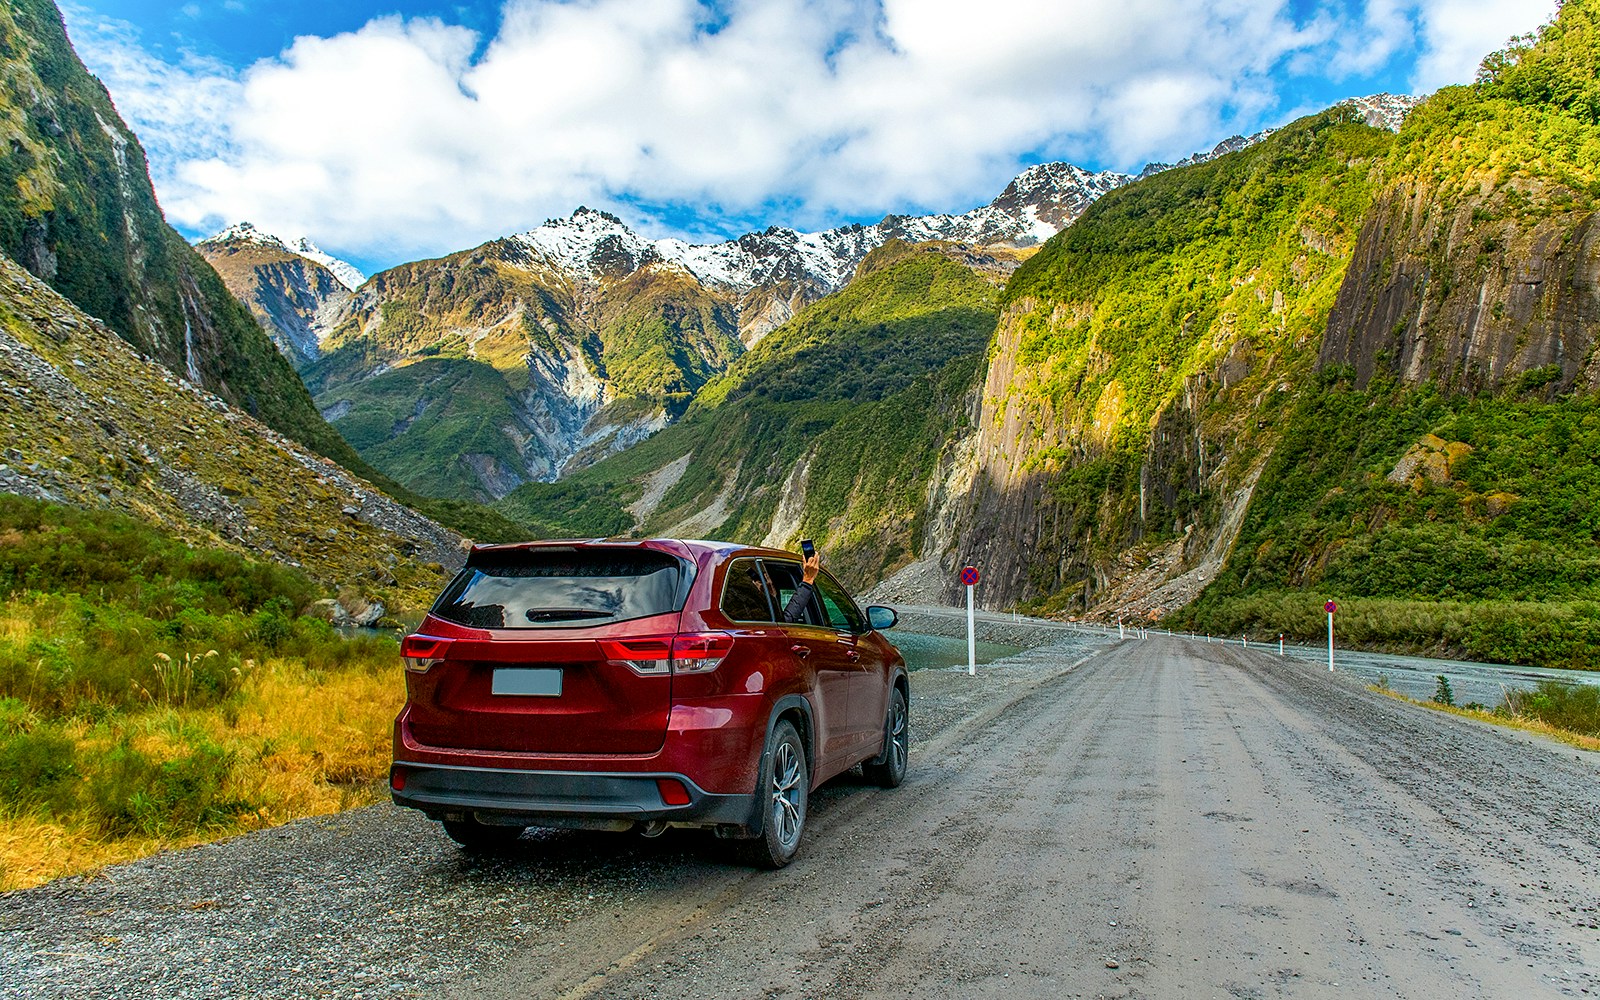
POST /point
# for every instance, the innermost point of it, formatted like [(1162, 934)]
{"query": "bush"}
[(131, 792), (1442, 692), (109, 557), (1572, 707), (38, 762)]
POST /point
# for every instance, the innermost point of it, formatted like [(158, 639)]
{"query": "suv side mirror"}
[(880, 617)]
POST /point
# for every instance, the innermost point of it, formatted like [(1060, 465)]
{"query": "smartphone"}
[(808, 548)]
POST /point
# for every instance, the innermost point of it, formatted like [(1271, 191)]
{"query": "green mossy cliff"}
[(1441, 472), (1144, 359)]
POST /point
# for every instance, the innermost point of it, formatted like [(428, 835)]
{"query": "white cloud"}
[(1457, 34), (409, 137)]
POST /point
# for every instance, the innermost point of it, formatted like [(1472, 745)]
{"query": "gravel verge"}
[(1011, 630)]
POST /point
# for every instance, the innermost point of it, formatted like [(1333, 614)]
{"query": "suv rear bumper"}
[(508, 796)]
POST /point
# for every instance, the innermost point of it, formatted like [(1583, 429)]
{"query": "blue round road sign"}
[(1330, 607), (969, 575)]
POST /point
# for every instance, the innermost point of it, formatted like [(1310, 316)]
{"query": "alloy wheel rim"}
[(898, 737), (787, 805)]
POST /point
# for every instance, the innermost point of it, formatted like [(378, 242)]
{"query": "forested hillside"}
[(1444, 469), (1144, 360)]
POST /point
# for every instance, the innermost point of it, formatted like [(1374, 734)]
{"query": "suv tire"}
[(784, 792), (890, 770)]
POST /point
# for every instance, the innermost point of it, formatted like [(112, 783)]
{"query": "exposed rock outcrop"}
[(1470, 294)]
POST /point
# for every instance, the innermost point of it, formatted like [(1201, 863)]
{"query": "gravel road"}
[(1151, 818)]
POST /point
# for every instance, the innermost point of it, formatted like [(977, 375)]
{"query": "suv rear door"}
[(554, 650)]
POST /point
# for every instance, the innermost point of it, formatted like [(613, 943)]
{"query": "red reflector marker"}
[(397, 779), (672, 791)]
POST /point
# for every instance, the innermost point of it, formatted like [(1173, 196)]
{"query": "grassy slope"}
[(155, 693)]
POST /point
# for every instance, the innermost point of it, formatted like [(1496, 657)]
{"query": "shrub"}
[(1442, 693), (1572, 707), (130, 792), (38, 762)]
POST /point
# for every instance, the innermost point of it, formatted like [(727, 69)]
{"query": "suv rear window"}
[(529, 588)]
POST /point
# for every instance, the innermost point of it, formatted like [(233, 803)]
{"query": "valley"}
[(1351, 356)]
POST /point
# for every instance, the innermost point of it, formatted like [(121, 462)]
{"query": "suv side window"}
[(744, 593), (786, 578), (841, 610)]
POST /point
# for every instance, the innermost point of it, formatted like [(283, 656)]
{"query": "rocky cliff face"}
[(1477, 268), (293, 296), (472, 374), (1141, 362), (1470, 296)]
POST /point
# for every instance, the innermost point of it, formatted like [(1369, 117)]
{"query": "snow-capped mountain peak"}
[(248, 232), (1384, 110), (346, 272)]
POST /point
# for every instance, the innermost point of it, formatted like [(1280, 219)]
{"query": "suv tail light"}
[(422, 652), (700, 652), (689, 653), (647, 657)]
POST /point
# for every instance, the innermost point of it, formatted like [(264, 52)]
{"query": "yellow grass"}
[(1523, 723), (303, 744)]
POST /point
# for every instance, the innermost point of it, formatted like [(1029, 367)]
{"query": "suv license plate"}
[(521, 681)]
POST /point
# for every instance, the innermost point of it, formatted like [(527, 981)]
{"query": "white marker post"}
[(969, 576), (1330, 608)]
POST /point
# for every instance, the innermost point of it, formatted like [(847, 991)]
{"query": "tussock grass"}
[(154, 695), (292, 742)]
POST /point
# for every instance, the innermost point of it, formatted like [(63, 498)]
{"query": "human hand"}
[(810, 568)]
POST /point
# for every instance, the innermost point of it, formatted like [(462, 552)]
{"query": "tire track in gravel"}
[(1500, 824)]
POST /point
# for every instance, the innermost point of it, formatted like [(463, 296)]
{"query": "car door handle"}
[(801, 650)]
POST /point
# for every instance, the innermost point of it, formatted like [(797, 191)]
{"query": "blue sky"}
[(392, 131)]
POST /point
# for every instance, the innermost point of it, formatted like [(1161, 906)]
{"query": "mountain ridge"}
[(592, 244), (542, 309), (77, 210)]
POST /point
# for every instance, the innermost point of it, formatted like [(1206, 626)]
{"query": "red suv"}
[(643, 684)]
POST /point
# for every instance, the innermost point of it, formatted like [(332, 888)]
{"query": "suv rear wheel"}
[(785, 791), (475, 836)]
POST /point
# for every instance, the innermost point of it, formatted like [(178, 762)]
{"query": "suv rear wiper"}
[(564, 614)]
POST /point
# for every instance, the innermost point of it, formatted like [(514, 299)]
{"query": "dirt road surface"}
[(1161, 818)]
